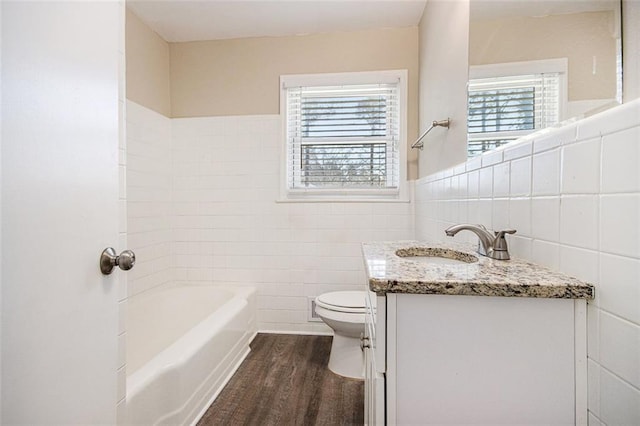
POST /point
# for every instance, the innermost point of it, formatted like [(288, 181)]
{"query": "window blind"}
[(502, 109), (343, 137)]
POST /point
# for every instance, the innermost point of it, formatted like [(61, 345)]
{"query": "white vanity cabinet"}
[(456, 359), (374, 358), (472, 340)]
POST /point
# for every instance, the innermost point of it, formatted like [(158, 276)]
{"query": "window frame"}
[(399, 194), (508, 69)]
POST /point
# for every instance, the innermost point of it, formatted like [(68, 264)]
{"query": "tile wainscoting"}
[(203, 209), (573, 194)]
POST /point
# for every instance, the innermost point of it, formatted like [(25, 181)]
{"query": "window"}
[(343, 139), (506, 107)]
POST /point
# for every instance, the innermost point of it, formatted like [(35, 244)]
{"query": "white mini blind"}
[(342, 137), (502, 109)]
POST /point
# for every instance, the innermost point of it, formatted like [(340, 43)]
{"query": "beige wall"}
[(444, 38), (630, 50), (147, 56), (237, 76), (580, 37), (241, 76)]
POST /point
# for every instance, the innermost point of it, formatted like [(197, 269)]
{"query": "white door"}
[(59, 211)]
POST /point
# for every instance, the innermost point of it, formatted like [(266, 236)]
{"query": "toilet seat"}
[(343, 301)]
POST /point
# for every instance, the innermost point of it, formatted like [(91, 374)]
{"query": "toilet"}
[(344, 312)]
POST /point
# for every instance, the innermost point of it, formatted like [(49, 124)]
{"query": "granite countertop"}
[(389, 273)]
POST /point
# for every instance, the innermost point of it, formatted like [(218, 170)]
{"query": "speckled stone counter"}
[(390, 273)]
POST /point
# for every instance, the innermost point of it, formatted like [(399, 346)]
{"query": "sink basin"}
[(436, 256)]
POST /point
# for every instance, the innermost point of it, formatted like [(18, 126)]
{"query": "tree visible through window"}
[(343, 137), (505, 108), (344, 165)]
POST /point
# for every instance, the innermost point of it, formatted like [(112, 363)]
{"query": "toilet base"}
[(347, 359)]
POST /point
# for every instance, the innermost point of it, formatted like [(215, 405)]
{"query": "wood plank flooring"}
[(285, 381)]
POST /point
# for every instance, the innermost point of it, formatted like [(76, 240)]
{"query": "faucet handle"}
[(500, 243), (500, 249), (500, 234)]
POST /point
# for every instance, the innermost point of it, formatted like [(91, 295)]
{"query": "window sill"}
[(342, 200), (352, 195)]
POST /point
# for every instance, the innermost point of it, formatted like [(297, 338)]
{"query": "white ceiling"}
[(183, 20)]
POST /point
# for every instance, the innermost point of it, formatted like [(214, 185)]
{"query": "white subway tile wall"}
[(546, 173), (575, 201), (620, 159), (579, 221), (581, 168), (501, 179), (520, 177), (229, 228), (148, 197), (203, 209)]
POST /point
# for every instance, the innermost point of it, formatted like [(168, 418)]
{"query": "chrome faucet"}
[(493, 246)]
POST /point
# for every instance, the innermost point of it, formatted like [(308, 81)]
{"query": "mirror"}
[(535, 64)]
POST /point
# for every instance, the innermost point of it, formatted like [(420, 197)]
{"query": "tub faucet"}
[(493, 246)]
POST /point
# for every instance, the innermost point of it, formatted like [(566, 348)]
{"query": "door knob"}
[(109, 260)]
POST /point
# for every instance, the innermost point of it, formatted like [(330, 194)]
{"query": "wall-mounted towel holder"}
[(441, 123)]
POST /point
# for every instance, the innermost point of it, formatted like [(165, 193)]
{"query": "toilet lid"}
[(343, 301)]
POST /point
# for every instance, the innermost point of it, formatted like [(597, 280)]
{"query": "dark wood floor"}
[(285, 381)]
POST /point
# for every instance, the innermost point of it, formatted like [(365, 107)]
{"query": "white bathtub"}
[(183, 345)]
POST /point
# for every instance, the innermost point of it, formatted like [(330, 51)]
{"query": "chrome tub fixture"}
[(442, 123)]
